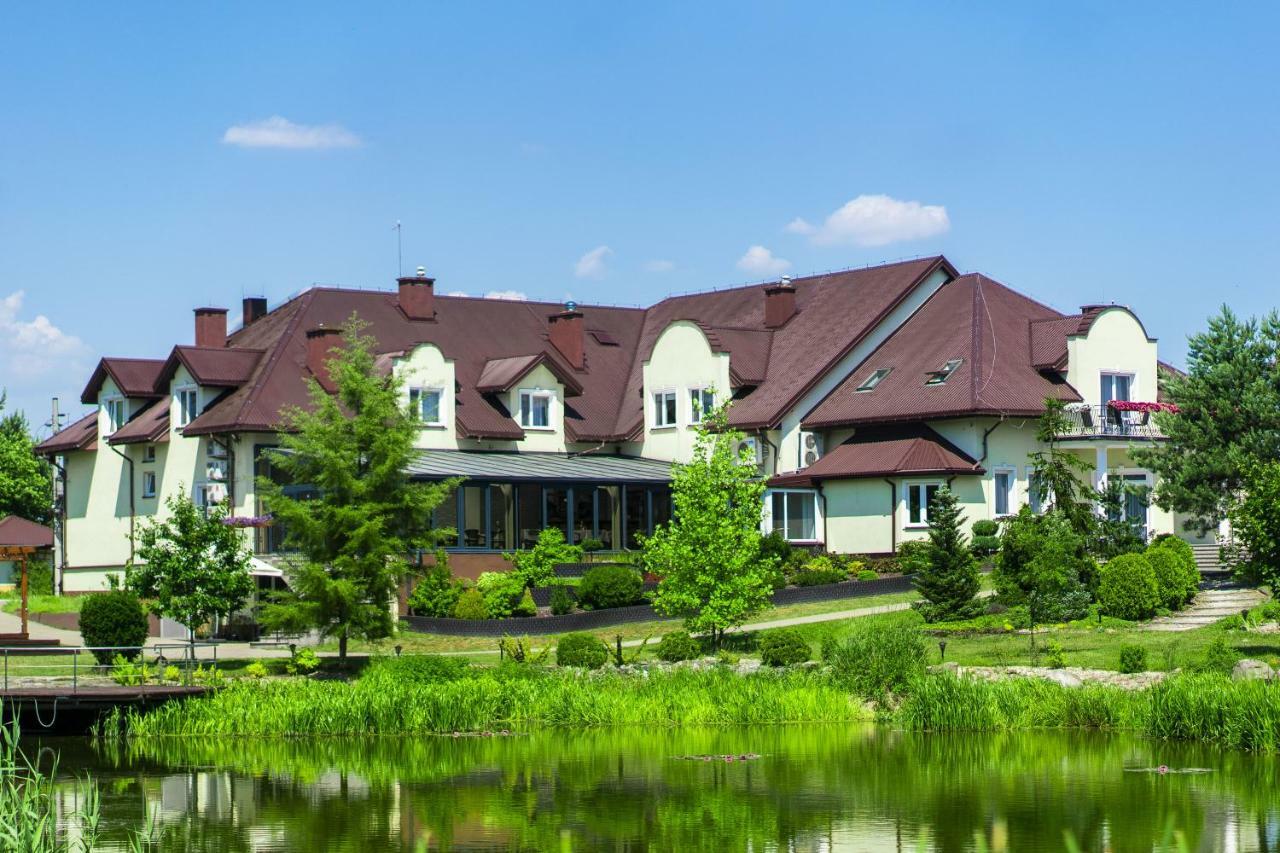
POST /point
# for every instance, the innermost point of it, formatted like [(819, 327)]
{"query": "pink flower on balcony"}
[(1136, 406)]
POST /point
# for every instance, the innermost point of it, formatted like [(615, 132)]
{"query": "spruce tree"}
[(948, 582)]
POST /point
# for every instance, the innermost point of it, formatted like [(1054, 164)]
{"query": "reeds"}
[(28, 810)]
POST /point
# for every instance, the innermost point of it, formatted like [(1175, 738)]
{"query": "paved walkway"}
[(1209, 606)]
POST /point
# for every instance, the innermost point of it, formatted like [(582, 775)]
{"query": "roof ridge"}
[(281, 344), (804, 279)]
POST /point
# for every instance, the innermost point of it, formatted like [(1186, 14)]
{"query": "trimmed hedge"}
[(581, 650), (114, 618), (783, 647), (678, 646), (818, 571), (470, 605), (1128, 588), (610, 585), (1176, 569)]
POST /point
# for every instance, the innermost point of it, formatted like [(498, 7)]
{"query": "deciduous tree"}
[(25, 479)]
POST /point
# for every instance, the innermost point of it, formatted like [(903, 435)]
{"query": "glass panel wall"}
[(501, 517), (557, 508), (607, 516), (446, 516), (636, 518), (474, 524), (528, 513), (583, 513)]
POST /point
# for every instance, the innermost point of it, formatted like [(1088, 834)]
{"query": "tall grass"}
[(28, 810), (1211, 708), (486, 700)]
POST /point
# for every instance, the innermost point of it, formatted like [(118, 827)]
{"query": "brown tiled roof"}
[(973, 318), (501, 374), (20, 533), (81, 435), (910, 449), (834, 312), (213, 366), (135, 377), (149, 426)]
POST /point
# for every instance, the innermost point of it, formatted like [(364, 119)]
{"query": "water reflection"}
[(815, 788)]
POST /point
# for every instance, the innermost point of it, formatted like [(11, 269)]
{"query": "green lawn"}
[(45, 603)]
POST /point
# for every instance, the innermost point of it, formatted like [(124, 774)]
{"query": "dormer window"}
[(535, 409), (188, 405), (116, 413), (937, 377), (664, 408), (870, 383), (424, 404)]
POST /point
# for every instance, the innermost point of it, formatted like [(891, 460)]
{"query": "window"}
[(701, 401), (937, 377), (873, 380), (664, 409), (919, 496), (1004, 480), (424, 404), (794, 515), (188, 405), (1037, 501), (115, 409), (535, 409), (1116, 386), (148, 484), (149, 453)]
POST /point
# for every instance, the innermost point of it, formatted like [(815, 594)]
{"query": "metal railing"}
[(151, 665), (1106, 422)]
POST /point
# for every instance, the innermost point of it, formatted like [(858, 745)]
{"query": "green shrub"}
[(1128, 588), (257, 669), (877, 660), (561, 601), (436, 592), (113, 618), (1169, 579), (610, 585), (819, 570), (868, 575), (536, 567), (172, 673), (39, 576), (1270, 612), (414, 670), (590, 546), (1054, 655), (913, 556), (1133, 659), (1219, 656), (985, 527), (783, 647), (502, 593), (678, 646), (470, 605), (128, 673), (1234, 622), (581, 650), (303, 662), (526, 606), (1043, 565), (1183, 576)]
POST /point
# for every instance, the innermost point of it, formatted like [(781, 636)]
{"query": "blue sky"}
[(156, 157)]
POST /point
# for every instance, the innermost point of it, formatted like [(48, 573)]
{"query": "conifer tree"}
[(948, 581)]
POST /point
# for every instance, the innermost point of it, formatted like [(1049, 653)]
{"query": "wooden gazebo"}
[(19, 541)]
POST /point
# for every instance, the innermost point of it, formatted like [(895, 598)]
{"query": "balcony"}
[(1107, 421)]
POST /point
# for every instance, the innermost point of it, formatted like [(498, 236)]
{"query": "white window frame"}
[(184, 416), (659, 400), (532, 394), (1011, 502), (925, 485), (416, 394), (148, 453), (152, 478), (699, 395), (780, 524), (109, 405)]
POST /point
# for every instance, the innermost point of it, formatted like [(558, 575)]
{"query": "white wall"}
[(682, 359), (426, 367), (1116, 343)]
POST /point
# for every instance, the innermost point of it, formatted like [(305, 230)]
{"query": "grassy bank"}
[(391, 699), (43, 603)]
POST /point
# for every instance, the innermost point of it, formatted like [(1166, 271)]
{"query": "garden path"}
[(1209, 606)]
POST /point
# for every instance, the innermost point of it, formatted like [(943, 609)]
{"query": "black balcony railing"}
[(1106, 422)]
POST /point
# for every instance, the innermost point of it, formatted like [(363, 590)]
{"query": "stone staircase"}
[(1209, 606), (1210, 563)]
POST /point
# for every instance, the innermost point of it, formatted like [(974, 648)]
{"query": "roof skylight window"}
[(937, 377), (873, 380)]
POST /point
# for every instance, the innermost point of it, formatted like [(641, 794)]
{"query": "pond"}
[(799, 788)]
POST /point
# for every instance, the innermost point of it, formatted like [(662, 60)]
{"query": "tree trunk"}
[(342, 646)]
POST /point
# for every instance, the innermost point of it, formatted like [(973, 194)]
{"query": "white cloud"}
[(457, 293), (279, 132), (799, 226), (760, 261), (875, 220), (659, 265), (510, 295), (592, 264), (34, 348)]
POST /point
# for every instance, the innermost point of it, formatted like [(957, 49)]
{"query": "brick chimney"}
[(779, 303), (567, 336), (320, 341), (418, 296), (211, 327), (255, 308)]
